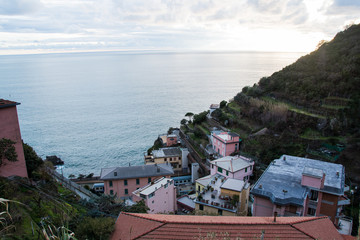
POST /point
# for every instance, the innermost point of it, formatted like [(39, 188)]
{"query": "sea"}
[(105, 109)]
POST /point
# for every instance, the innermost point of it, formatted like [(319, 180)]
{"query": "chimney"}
[(284, 158), (275, 215)]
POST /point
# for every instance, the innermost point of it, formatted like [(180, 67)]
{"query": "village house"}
[(175, 156), (10, 129), (219, 195), (160, 226), (213, 107), (226, 190), (225, 143), (237, 167), (168, 140), (295, 186), (122, 181), (159, 197)]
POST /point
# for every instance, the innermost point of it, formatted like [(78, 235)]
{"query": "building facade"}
[(10, 129), (175, 156), (159, 197), (237, 167), (122, 181), (225, 143), (294, 186)]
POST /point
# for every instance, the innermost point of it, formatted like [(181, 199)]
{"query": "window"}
[(149, 180), (245, 169), (311, 211), (110, 184), (137, 181), (115, 174), (250, 167), (199, 189), (125, 182), (201, 207), (212, 165), (166, 185), (126, 191), (111, 192), (227, 173), (314, 195), (220, 212), (235, 146), (219, 169)]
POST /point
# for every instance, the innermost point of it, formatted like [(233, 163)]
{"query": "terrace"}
[(211, 195)]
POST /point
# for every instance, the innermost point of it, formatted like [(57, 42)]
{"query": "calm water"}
[(97, 110)]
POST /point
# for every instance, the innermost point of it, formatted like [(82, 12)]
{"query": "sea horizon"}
[(105, 109)]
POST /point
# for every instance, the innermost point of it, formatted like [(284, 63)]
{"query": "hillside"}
[(309, 108)]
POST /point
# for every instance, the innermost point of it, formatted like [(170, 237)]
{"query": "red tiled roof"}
[(160, 226), (6, 103)]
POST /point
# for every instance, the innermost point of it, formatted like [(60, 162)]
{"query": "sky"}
[(37, 26)]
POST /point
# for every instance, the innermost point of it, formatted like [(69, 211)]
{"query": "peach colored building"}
[(159, 197), (122, 181), (295, 186), (10, 129), (225, 143)]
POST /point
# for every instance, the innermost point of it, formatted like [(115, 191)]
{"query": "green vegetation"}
[(7, 151)]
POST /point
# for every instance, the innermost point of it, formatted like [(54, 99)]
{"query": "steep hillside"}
[(309, 108)]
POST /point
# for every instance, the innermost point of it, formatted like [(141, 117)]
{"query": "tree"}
[(199, 118), (183, 121), (33, 161), (189, 115), (7, 151), (95, 228), (223, 103)]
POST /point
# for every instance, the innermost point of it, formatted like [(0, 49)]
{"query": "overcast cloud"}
[(260, 25)]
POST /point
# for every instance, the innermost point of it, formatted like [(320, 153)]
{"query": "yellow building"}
[(217, 195), (176, 156)]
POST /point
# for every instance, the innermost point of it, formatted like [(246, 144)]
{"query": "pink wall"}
[(311, 181), (225, 148), (119, 186), (237, 175), (10, 129), (262, 207), (164, 200)]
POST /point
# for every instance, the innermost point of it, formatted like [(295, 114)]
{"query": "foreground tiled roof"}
[(160, 226)]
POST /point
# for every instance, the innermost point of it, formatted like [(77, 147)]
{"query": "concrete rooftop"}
[(281, 181)]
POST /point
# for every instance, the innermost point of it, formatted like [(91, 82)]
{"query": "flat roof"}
[(233, 163), (7, 103), (153, 187), (233, 184), (281, 181), (167, 152)]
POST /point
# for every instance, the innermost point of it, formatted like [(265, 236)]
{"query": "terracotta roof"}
[(6, 103), (160, 226)]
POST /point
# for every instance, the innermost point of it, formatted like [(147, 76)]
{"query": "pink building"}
[(295, 186), (171, 139), (237, 167), (225, 143), (122, 181), (10, 129), (160, 197)]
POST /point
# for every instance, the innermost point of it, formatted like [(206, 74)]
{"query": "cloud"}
[(19, 7), (170, 24)]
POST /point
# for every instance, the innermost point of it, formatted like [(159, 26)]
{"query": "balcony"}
[(345, 225), (343, 201)]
